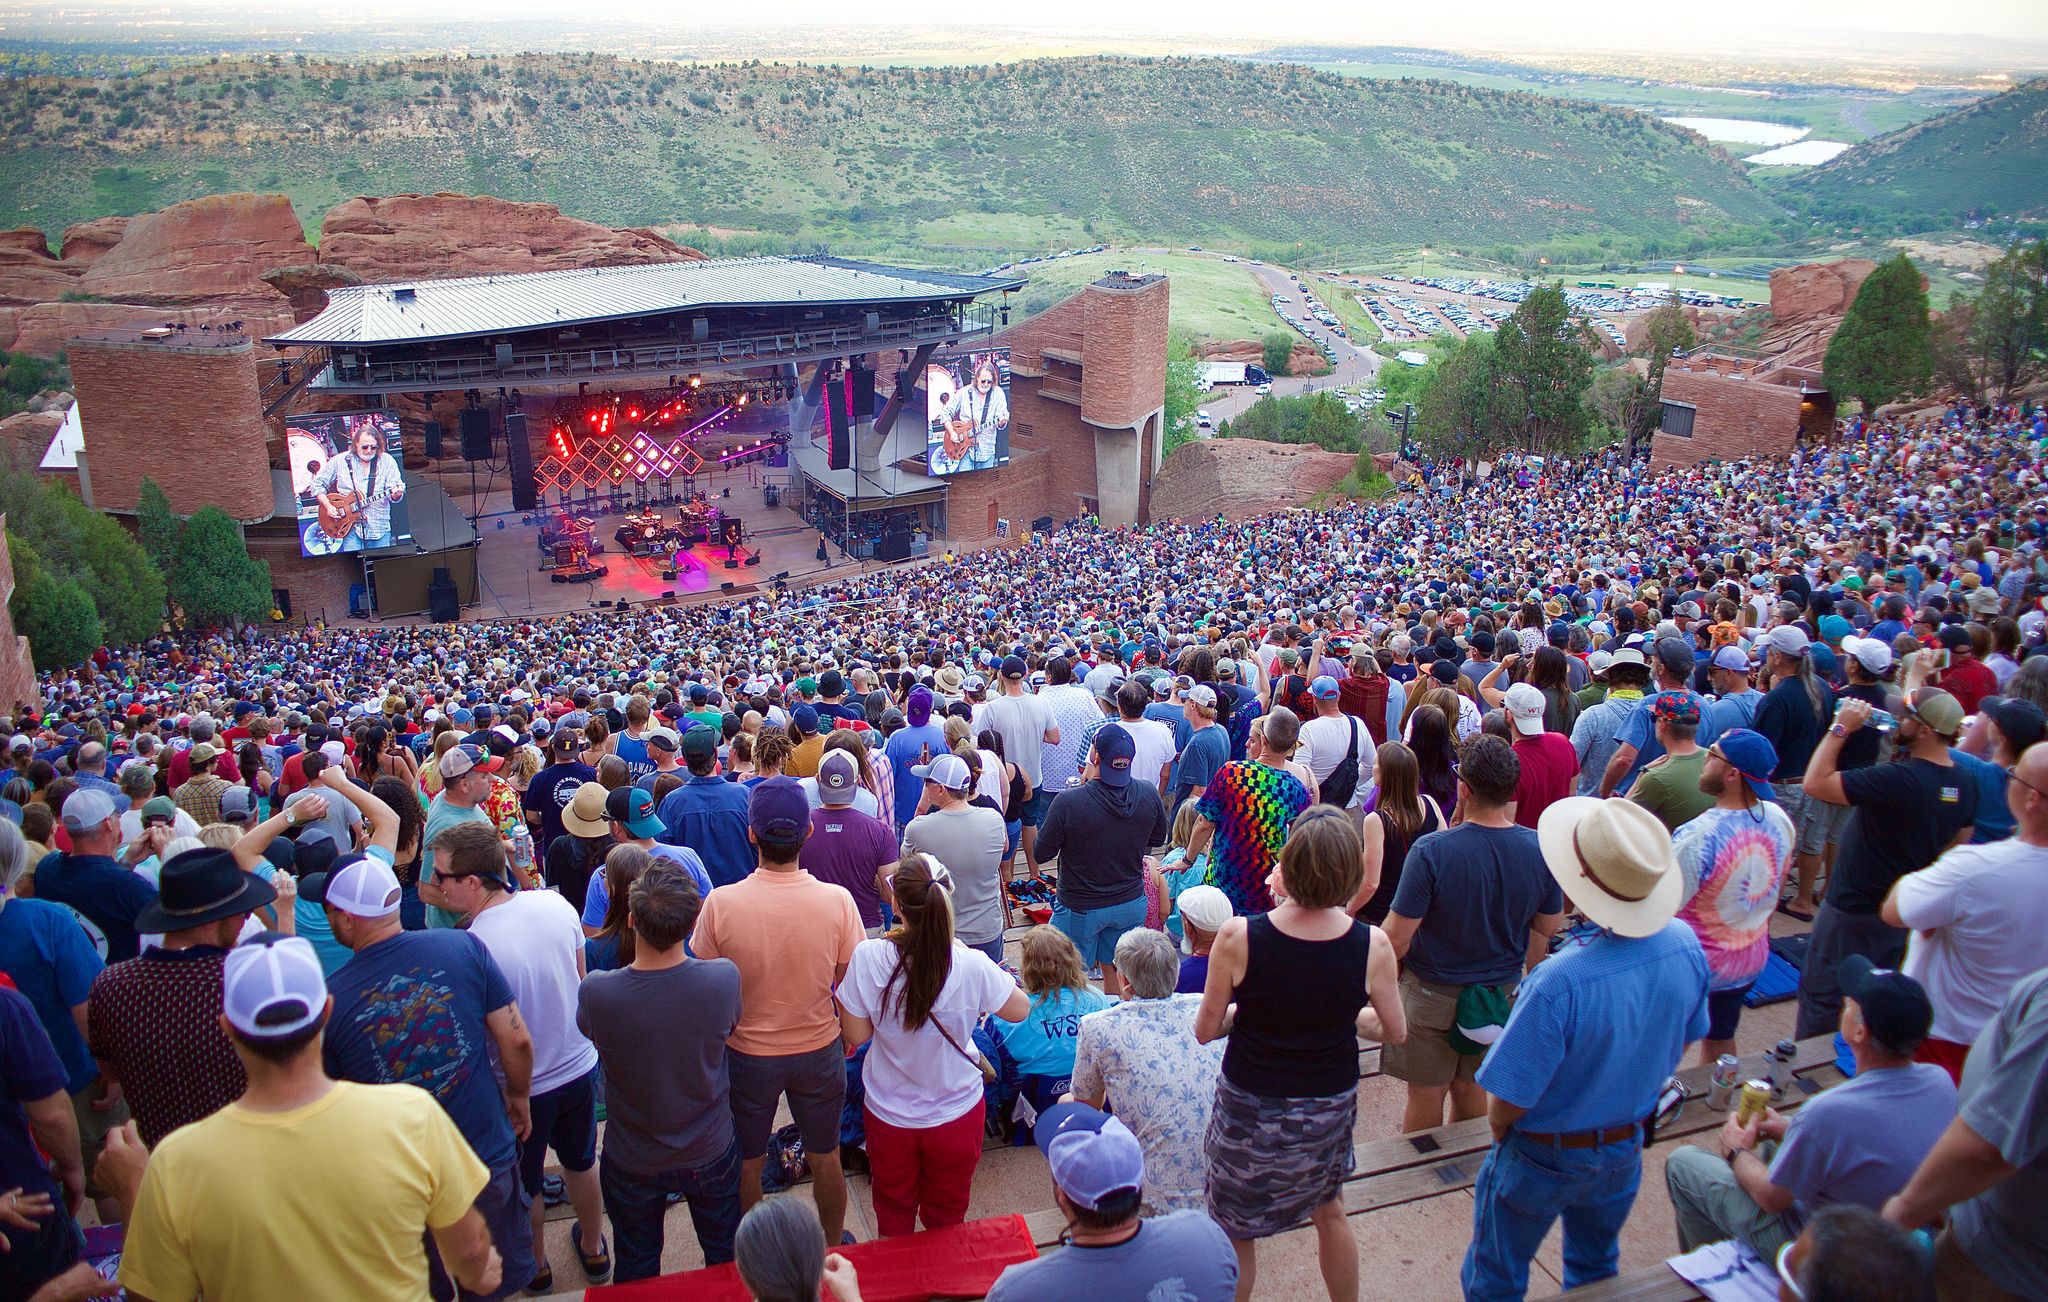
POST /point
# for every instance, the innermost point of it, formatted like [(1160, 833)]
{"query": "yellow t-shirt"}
[(327, 1202)]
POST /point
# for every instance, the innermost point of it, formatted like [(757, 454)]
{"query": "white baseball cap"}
[(366, 888), (949, 771), (272, 986), (1525, 708), (1873, 653)]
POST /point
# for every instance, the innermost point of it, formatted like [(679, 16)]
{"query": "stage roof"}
[(416, 310)]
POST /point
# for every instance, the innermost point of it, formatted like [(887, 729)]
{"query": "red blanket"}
[(962, 1261)]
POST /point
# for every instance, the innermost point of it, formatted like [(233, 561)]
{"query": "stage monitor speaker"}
[(519, 462), (727, 586), (476, 434), (430, 434), (863, 384), (755, 559), (668, 574), (442, 603)]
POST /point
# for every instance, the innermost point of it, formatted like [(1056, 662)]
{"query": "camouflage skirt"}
[(1272, 1161)]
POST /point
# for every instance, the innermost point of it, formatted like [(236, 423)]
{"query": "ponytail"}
[(923, 938)]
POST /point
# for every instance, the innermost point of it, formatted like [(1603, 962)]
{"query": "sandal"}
[(543, 1281), (597, 1266), (1790, 912)]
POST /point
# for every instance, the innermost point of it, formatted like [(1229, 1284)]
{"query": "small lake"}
[(1805, 153), (1741, 131)]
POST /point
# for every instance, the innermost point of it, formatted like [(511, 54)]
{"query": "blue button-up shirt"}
[(709, 815), (1598, 1028)]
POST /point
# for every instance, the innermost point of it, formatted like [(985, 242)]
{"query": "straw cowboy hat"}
[(1614, 860)]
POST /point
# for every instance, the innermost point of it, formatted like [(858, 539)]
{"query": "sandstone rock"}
[(1817, 289), (213, 250), (1242, 477), (24, 240), (26, 436), (413, 236), (28, 274), (85, 242), (306, 287)]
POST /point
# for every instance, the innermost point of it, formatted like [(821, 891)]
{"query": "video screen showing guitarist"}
[(346, 499), (969, 412)]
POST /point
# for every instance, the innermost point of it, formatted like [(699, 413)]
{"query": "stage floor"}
[(512, 584)]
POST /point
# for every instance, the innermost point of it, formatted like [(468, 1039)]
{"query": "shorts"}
[(1824, 822), (1036, 808), (1095, 932), (815, 1083), (1792, 799), (93, 1128), (564, 1119), (1427, 1058), (1724, 1011), (1014, 829), (508, 1215)]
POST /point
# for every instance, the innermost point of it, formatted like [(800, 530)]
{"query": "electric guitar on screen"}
[(342, 513)]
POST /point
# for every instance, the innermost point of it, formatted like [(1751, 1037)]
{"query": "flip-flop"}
[(1790, 912), (543, 1281), (597, 1266)]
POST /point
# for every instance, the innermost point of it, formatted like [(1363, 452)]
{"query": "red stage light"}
[(562, 443), (632, 413)]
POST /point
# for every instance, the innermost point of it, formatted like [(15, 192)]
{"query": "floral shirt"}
[(1252, 805), (1734, 861), (1142, 1054)]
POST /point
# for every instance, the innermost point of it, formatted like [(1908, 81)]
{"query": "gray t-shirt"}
[(1184, 1256), (342, 814), (1021, 722), (970, 841), (660, 1037), (1861, 1141), (2004, 1100)]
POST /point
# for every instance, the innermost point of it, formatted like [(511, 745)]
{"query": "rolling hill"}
[(1988, 159), (949, 163)]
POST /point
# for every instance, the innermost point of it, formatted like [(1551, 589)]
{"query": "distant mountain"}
[(946, 162), (1990, 159)]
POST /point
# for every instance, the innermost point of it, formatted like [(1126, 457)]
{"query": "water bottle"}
[(1882, 721)]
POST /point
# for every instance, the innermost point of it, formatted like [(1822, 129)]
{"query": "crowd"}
[(322, 943)]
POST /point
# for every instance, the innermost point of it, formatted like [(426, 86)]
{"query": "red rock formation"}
[(306, 287), (28, 274), (43, 330), (413, 236), (211, 251), (85, 242), (1817, 289), (1242, 477)]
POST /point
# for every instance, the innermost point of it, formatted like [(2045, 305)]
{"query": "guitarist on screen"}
[(355, 492)]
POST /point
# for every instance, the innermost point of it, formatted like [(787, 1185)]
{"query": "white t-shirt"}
[(1153, 749), (993, 784), (1324, 741), (1979, 916), (1021, 722), (917, 1081), (536, 938)]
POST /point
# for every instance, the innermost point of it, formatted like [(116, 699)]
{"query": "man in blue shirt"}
[(919, 742), (1595, 1032), (103, 893), (1207, 748), (709, 814)]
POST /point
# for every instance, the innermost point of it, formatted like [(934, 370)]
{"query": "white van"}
[(1202, 420)]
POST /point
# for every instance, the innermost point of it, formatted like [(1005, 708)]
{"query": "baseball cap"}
[(778, 812), (1093, 1155), (1324, 688), (1678, 707), (805, 717), (1014, 667), (1598, 661), (633, 809), (838, 778), (1203, 695), (2022, 722), (1525, 708), (1162, 688), (565, 739), (272, 986), (203, 753), (1204, 906), (1750, 754), (663, 737), (1952, 636), (1736, 659), (462, 760), (158, 807), (20, 744), (700, 742), (1874, 654), (237, 804), (362, 886), (86, 808), (1895, 1007), (1115, 749), (1930, 705), (1787, 640), (949, 771)]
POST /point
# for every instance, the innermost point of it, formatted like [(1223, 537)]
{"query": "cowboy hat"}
[(1614, 860)]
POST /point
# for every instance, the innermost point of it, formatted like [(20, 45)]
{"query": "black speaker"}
[(727, 587), (476, 434), (838, 426), (861, 380), (442, 603), (519, 462), (893, 546), (755, 559), (430, 434)]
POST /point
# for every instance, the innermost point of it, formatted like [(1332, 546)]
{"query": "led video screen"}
[(348, 481), (967, 409)]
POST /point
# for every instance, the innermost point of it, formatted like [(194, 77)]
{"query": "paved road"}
[(1354, 366)]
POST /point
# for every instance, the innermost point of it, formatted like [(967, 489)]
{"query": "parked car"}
[(1263, 389), (1202, 420)]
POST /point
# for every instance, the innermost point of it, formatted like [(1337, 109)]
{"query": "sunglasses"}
[(2012, 771)]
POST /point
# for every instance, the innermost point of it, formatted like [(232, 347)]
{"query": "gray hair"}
[(1401, 644), (202, 728), (780, 1250), (13, 853), (1147, 962)]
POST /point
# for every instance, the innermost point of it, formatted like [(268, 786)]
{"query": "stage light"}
[(562, 443), (696, 381), (632, 413)]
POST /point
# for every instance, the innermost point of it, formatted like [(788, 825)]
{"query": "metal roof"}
[(413, 311)]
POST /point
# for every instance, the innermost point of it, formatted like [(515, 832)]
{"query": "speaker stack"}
[(476, 434), (442, 602), (519, 462), (431, 435)]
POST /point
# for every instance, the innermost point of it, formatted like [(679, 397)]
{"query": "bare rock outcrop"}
[(1817, 289), (1242, 477), (416, 236)]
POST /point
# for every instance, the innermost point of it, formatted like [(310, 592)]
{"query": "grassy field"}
[(1212, 299)]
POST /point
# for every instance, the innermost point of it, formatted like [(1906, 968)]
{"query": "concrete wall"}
[(1736, 417), (189, 418)]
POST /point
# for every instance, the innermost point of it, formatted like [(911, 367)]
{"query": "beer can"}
[(1756, 1096), (1721, 1086)]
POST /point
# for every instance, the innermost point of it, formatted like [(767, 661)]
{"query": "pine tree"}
[(1882, 351), (159, 530), (217, 581)]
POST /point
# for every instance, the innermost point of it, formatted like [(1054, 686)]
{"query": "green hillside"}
[(950, 163), (1990, 159)]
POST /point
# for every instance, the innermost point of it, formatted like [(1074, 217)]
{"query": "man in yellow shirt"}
[(305, 1188)]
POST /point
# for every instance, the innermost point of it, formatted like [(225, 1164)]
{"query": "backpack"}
[(1342, 784)]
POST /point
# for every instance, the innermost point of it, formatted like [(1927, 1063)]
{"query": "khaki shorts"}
[(93, 1127), (1427, 1058)]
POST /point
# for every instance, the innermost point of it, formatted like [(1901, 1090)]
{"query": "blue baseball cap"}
[(1750, 754), (1093, 1155), (1114, 750), (779, 812), (1324, 688)]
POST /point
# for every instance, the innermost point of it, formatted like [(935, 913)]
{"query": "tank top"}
[(1393, 858), (1297, 1013)]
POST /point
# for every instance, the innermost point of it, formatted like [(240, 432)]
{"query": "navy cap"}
[(1894, 1006), (1114, 751), (1014, 667), (779, 812)]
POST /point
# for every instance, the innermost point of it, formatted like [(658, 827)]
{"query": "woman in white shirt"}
[(917, 994)]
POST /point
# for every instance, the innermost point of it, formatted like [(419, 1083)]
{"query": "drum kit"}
[(649, 532)]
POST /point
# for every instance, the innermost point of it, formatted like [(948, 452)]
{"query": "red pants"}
[(927, 1172), (1945, 1054)]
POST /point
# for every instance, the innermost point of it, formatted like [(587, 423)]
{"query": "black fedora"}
[(202, 886)]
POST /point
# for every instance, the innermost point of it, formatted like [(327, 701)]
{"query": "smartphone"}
[(1941, 659)]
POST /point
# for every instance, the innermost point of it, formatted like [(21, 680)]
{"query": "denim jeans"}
[(1523, 1188), (637, 1204)]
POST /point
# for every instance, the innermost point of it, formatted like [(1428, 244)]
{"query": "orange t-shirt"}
[(789, 933)]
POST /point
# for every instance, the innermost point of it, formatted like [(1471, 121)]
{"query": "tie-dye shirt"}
[(1252, 806), (1734, 862)]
